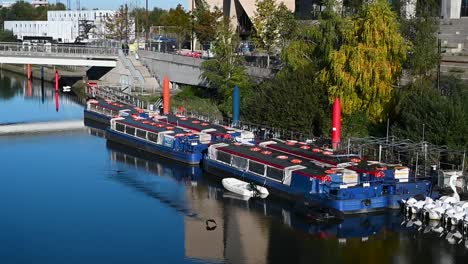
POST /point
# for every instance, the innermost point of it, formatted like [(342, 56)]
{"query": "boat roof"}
[(310, 151), (313, 152), (273, 158), (198, 124), (116, 106), (151, 125)]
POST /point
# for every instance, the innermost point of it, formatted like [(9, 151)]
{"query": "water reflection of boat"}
[(252, 231), (156, 165)]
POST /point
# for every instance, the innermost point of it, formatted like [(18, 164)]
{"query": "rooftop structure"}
[(64, 26), (38, 3)]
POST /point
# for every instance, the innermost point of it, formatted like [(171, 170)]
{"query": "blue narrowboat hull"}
[(346, 206), (97, 117), (185, 157), (405, 190)]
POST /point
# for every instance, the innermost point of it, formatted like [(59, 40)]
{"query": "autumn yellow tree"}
[(364, 69)]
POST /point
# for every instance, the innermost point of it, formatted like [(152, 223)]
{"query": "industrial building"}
[(63, 26), (243, 11)]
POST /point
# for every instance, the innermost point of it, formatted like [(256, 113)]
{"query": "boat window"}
[(120, 127), (130, 130), (256, 167), (224, 157), (153, 137), (274, 174), (239, 162), (141, 133)]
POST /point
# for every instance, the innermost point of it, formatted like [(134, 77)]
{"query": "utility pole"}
[(439, 50), (147, 24), (192, 37)]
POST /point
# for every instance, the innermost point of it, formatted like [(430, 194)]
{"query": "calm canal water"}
[(73, 198)]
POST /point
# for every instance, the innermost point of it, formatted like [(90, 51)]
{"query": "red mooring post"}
[(56, 101), (56, 81), (336, 123), (29, 71), (166, 95)]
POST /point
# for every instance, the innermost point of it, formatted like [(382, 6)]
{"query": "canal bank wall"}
[(49, 72)]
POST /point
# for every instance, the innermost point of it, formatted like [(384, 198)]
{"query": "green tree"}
[(290, 101), (311, 46), (21, 11), (120, 26), (444, 116), (294, 99), (156, 16), (205, 21), (421, 31), (178, 22), (274, 25), (364, 69), (7, 36), (225, 71)]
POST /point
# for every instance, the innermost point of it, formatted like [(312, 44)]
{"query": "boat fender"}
[(266, 152), (325, 178), (195, 122), (255, 149), (366, 202), (305, 147), (210, 224), (316, 150), (296, 161), (355, 160), (282, 157)]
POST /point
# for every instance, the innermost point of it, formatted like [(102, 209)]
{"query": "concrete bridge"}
[(46, 54), (110, 64)]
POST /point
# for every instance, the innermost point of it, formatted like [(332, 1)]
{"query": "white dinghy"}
[(244, 188)]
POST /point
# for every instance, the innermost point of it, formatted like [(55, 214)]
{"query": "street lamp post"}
[(192, 37), (147, 24)]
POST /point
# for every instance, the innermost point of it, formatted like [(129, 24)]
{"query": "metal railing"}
[(136, 74), (261, 131), (114, 93), (48, 50)]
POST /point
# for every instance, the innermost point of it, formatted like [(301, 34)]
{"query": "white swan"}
[(419, 205), (457, 212), (445, 202)]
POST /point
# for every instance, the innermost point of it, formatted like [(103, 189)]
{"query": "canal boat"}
[(296, 179), (102, 111), (218, 132), (158, 138), (397, 182)]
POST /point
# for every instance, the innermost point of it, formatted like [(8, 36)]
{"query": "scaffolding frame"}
[(423, 158)]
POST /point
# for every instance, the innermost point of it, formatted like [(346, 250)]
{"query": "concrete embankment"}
[(41, 127), (49, 72)]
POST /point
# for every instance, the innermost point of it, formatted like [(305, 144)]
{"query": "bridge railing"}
[(113, 92), (47, 50)]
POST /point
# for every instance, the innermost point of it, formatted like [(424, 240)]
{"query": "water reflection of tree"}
[(7, 88)]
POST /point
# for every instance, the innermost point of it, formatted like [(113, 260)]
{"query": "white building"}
[(77, 17), (63, 26), (37, 3), (7, 4), (60, 31)]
